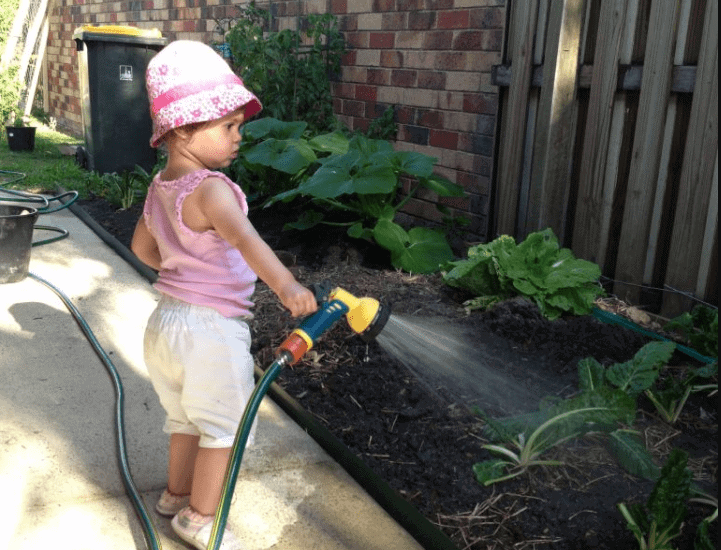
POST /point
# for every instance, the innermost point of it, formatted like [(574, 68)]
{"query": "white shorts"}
[(201, 368)]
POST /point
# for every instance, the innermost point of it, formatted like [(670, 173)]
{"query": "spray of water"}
[(465, 368)]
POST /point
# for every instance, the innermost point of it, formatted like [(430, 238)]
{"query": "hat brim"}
[(204, 106)]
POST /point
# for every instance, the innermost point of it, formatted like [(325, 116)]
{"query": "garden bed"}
[(424, 440)]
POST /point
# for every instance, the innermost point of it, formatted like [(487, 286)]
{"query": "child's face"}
[(216, 143)]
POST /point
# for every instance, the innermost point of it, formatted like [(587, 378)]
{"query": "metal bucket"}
[(16, 236)]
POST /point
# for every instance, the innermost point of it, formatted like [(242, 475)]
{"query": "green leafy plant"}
[(347, 182), (537, 269), (607, 399), (384, 127), (289, 70), (360, 189), (699, 329), (10, 88), (560, 427), (657, 523), (127, 188)]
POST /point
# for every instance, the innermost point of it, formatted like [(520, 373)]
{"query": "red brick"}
[(382, 40), (391, 59), (379, 77), (421, 20), (361, 124), (357, 39), (438, 40), (345, 90), (410, 5), (366, 93), (339, 6), (349, 58), (487, 18), (454, 19), (348, 22), (433, 80), (394, 21), (468, 40), (451, 61), (444, 139), (480, 103), (404, 78), (406, 115), (431, 119), (354, 108), (384, 5), (439, 4)]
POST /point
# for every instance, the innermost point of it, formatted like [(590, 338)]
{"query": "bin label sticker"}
[(126, 72)]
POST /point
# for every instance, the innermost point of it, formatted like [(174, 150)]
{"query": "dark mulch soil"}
[(423, 441)]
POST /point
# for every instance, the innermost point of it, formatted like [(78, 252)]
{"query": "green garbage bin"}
[(116, 114)]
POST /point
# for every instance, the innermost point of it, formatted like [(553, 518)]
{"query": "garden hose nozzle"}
[(366, 316)]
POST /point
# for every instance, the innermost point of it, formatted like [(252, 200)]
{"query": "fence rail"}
[(608, 134)]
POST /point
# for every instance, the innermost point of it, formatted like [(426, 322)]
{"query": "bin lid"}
[(119, 33)]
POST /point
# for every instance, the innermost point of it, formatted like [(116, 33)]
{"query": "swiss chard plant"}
[(606, 402), (537, 268), (699, 328), (348, 182), (659, 521)]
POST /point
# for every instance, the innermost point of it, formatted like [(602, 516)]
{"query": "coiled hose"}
[(66, 199)]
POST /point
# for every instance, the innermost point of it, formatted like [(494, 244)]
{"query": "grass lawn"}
[(45, 168)]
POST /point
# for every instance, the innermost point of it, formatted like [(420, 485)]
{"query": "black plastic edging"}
[(425, 533), (402, 512)]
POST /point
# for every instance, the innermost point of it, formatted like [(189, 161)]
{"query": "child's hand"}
[(298, 299)]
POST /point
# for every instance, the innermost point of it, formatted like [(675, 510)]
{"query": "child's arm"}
[(213, 205), (144, 245)]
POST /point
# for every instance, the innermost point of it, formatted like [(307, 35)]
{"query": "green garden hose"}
[(66, 199), (151, 536)]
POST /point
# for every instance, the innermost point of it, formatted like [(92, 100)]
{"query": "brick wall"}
[(429, 59)]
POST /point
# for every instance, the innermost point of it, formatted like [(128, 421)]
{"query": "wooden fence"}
[(608, 134)]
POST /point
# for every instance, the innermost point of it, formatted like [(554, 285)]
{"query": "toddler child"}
[(195, 231)]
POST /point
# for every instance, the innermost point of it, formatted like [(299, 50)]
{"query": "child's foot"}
[(195, 528), (169, 504)]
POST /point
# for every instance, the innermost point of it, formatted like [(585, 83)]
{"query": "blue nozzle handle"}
[(323, 319)]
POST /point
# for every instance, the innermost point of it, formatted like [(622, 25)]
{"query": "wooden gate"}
[(608, 134)]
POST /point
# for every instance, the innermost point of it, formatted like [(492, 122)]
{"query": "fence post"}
[(523, 23), (596, 183), (645, 155), (697, 175)]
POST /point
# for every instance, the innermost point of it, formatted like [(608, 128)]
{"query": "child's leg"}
[(181, 463), (208, 477)]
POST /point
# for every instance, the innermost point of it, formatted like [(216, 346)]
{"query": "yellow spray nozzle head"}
[(365, 316)]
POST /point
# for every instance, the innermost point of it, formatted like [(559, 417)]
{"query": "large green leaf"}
[(420, 250), (335, 143), (640, 373), (442, 187), (288, 156), (667, 502), (590, 374), (272, 127), (633, 455), (329, 181), (415, 164)]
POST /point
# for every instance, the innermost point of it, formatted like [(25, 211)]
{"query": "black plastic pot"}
[(16, 236), (21, 138)]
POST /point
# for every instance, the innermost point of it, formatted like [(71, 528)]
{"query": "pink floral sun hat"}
[(189, 82)]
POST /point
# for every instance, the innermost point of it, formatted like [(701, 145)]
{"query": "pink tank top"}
[(198, 268)]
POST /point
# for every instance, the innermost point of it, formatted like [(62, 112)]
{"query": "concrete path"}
[(59, 476)]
